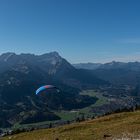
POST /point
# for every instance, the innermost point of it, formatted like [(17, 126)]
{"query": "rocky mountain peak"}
[(6, 56)]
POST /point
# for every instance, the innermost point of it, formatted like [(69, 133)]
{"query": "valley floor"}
[(112, 127)]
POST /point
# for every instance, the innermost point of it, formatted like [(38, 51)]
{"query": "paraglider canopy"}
[(46, 87)]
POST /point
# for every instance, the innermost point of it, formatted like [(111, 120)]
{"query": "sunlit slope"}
[(108, 127)]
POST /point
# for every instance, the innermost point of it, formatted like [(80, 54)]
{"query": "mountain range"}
[(21, 75), (115, 72)]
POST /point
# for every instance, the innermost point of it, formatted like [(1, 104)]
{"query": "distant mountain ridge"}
[(117, 73), (109, 65)]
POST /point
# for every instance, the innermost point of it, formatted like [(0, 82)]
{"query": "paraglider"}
[(46, 88)]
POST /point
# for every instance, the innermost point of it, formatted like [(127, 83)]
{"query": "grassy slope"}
[(116, 125)]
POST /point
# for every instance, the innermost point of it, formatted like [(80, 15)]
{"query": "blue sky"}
[(80, 30)]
